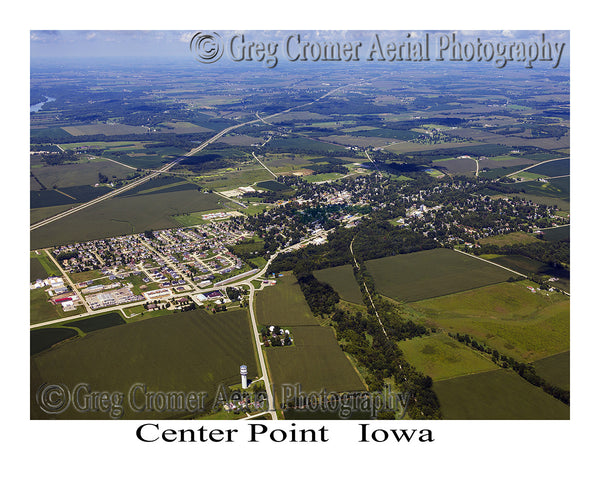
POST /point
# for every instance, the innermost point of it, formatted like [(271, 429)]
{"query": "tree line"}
[(525, 370)]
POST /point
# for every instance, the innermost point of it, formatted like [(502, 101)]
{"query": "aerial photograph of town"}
[(299, 225)]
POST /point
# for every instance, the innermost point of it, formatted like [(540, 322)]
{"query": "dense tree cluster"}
[(384, 360), (321, 297)]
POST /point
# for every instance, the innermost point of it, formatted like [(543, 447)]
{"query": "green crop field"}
[(36, 270), (431, 273), (557, 234), (124, 215), (37, 214), (508, 239), (272, 185), (43, 338), (553, 169), (507, 316), (555, 369), (519, 263), (70, 175), (342, 280), (49, 266), (442, 357), (315, 362), (496, 395), (183, 352), (304, 144), (555, 189), (322, 177), (90, 324), (528, 266), (283, 304)]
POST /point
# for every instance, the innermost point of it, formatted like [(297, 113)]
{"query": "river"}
[(38, 106)]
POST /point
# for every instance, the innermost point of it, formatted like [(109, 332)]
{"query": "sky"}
[(176, 43)]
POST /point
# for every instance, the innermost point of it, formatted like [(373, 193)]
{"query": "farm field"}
[(229, 179), (408, 147), (304, 144), (442, 357), (315, 360), (496, 395), (283, 304), (65, 196), (272, 185), (557, 234), (182, 127), (558, 188), (556, 369), (553, 169), (507, 316), (519, 263), (37, 214), (457, 165), (342, 280), (431, 273), (122, 145), (48, 265), (124, 215), (358, 141), (44, 338), (104, 129), (85, 173), (99, 322), (502, 171), (508, 239), (189, 351), (528, 266), (241, 140), (513, 140), (36, 269)]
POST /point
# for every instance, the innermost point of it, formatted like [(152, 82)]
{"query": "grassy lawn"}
[(85, 276)]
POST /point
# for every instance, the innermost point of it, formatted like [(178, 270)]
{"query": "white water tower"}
[(244, 374)]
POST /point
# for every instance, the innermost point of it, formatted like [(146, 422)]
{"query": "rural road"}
[(266, 168)]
